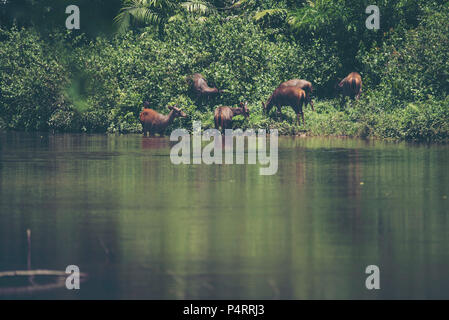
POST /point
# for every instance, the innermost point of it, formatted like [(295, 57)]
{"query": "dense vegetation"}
[(83, 81)]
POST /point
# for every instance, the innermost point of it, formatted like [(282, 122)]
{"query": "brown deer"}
[(154, 122), (201, 88), (304, 85), (287, 96), (350, 86), (223, 115)]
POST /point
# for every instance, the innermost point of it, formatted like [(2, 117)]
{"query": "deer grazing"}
[(200, 87), (154, 122), (350, 86), (287, 96), (304, 85), (223, 115)]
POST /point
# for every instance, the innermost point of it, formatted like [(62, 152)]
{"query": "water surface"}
[(144, 228)]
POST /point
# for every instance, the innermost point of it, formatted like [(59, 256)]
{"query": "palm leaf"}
[(197, 7), (141, 11), (152, 12)]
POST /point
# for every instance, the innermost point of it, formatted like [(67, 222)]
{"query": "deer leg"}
[(298, 120), (301, 102), (216, 124), (150, 131), (311, 104), (279, 113), (223, 125), (228, 124)]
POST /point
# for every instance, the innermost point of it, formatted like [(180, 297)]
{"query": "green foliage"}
[(62, 82), (121, 73), (47, 15), (31, 81), (146, 12), (156, 12), (422, 121), (414, 65), (318, 16), (268, 13)]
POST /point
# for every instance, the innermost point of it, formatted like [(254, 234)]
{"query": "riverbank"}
[(417, 122), (67, 82)]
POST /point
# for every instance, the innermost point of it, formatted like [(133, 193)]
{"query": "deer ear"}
[(169, 107)]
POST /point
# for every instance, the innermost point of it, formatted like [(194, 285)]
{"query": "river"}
[(143, 228)]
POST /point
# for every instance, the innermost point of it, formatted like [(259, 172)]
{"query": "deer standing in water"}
[(287, 96), (223, 115), (154, 122)]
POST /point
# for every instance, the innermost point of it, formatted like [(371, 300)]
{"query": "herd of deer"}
[(294, 93)]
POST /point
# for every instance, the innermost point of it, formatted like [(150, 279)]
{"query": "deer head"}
[(177, 112), (245, 110)]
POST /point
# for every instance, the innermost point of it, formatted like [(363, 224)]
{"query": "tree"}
[(156, 12)]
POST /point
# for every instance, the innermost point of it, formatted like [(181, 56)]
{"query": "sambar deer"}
[(154, 122), (304, 85), (200, 87), (287, 96), (223, 115), (351, 86)]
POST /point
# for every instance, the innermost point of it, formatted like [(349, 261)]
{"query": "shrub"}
[(31, 82), (412, 66), (68, 83)]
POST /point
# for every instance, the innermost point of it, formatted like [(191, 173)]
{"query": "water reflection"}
[(144, 228)]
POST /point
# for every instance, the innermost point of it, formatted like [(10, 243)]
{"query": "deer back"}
[(300, 83), (224, 113), (200, 84), (351, 85)]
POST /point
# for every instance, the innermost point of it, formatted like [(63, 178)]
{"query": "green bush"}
[(118, 74), (414, 65), (65, 119), (427, 121), (68, 83), (31, 80)]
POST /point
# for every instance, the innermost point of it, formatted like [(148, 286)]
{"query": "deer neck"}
[(211, 90), (269, 103), (168, 119), (236, 111)]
